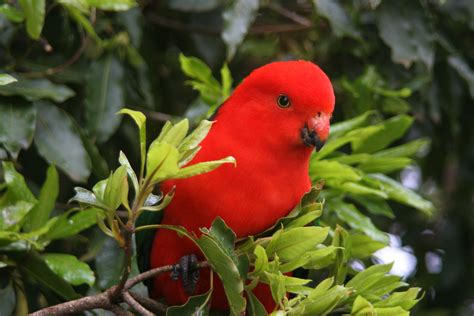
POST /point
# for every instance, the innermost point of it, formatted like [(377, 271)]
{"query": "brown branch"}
[(111, 297), (135, 305), (262, 29), (51, 71), (290, 14), (148, 303)]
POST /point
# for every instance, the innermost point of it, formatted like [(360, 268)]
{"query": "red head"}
[(293, 102)]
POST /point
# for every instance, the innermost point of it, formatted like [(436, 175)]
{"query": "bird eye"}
[(283, 101)]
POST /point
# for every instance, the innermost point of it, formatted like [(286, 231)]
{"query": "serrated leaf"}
[(70, 268), (123, 160), (59, 142), (374, 205), (384, 165)]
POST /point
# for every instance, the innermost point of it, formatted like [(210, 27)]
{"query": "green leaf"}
[(17, 190), (374, 205), (343, 127), (39, 215), (6, 78), (80, 19), (197, 69), (195, 138), (17, 126), (124, 162), (116, 190), (341, 23), (113, 5), (105, 96), (398, 192), (195, 305), (362, 307), (202, 167), (384, 164), (140, 120), (405, 300), (34, 11), (71, 223), (363, 246), (349, 214), (294, 242), (237, 20), (162, 161), (406, 150), (226, 81), (36, 89), (325, 169), (176, 133), (255, 307), (33, 265), (358, 188), (391, 130), (89, 198), (70, 268), (411, 38), (59, 142), (215, 246), (359, 281), (12, 213)]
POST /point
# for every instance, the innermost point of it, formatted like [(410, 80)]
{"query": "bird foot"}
[(188, 269)]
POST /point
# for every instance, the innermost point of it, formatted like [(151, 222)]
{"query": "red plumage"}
[(271, 174)]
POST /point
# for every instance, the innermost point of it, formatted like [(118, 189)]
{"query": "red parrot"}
[(270, 124)]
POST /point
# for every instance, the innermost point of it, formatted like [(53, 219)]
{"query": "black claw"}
[(189, 272)]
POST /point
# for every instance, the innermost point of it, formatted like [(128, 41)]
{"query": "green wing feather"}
[(144, 241)]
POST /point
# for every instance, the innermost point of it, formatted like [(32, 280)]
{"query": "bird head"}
[(293, 99)]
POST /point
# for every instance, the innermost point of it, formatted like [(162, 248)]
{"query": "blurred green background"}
[(91, 58)]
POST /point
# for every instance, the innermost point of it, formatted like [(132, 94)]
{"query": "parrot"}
[(271, 124)]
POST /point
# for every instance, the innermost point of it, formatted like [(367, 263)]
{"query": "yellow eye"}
[(283, 101)]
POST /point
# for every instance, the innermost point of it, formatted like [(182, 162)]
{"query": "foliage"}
[(404, 84)]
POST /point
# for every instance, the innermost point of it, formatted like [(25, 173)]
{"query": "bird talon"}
[(188, 269)]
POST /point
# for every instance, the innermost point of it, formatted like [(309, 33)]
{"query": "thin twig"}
[(149, 303), (260, 29), (295, 17), (135, 305), (51, 71)]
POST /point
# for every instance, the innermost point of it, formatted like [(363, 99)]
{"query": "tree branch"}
[(112, 296), (135, 305)]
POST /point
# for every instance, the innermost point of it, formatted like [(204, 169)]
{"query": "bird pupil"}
[(283, 101)]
